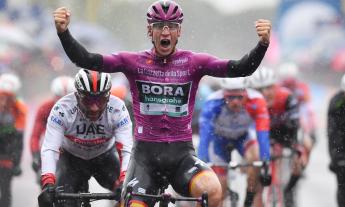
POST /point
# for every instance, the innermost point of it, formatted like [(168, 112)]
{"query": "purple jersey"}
[(164, 90)]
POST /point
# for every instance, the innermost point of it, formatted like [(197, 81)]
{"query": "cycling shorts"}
[(74, 173), (176, 161), (220, 149)]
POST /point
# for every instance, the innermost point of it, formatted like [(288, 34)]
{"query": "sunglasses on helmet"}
[(162, 25)]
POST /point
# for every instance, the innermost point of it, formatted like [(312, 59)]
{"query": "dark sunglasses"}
[(90, 100), (162, 25)]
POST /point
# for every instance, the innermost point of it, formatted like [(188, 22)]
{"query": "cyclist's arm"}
[(124, 138), (51, 146), (262, 123), (209, 111), (335, 128), (38, 129), (78, 54), (232, 68), (248, 63)]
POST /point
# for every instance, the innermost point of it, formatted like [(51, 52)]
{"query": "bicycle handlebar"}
[(91, 196), (59, 195), (166, 197)]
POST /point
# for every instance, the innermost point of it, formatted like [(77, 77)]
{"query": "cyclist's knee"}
[(252, 153), (207, 181)]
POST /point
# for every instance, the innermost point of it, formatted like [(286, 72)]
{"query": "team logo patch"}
[(122, 122), (160, 98), (56, 120)]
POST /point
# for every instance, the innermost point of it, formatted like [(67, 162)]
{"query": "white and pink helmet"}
[(164, 10)]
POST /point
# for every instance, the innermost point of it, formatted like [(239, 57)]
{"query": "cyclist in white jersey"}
[(84, 131)]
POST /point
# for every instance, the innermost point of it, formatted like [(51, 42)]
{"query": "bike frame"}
[(281, 159), (234, 196)]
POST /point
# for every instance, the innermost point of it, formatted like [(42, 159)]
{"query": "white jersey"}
[(69, 129)]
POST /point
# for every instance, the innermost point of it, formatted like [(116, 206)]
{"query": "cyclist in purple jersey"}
[(163, 82)]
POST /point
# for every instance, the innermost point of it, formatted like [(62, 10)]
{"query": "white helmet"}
[(232, 83), (10, 83), (92, 83), (262, 77), (62, 85), (342, 83), (288, 70)]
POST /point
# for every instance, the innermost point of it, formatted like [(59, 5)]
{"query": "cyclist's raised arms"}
[(62, 18)]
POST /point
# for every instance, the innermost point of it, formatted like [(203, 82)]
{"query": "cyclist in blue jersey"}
[(163, 83), (235, 118)]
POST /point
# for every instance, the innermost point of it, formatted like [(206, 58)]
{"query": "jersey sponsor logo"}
[(72, 111), (161, 98), (87, 129), (56, 120), (110, 108), (133, 182), (88, 143), (141, 190), (198, 164), (122, 122), (165, 74), (180, 61)]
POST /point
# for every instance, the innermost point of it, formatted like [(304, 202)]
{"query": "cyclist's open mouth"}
[(165, 43)]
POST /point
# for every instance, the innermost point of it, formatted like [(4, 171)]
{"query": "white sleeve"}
[(124, 137), (54, 134)]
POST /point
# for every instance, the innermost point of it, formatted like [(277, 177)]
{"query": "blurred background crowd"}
[(310, 33)]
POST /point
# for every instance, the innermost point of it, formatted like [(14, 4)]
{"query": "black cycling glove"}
[(47, 196)]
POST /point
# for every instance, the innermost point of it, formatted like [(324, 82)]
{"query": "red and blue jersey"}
[(217, 122)]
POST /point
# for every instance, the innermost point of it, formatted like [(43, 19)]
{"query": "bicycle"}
[(84, 199), (233, 166), (164, 198), (281, 159)]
